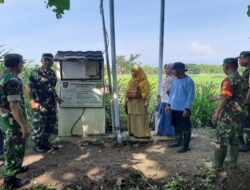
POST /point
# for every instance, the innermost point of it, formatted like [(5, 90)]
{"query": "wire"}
[(104, 27), (71, 130)]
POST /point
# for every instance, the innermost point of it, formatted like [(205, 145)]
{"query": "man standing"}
[(13, 120), (244, 60), (42, 94), (180, 103), (229, 114)]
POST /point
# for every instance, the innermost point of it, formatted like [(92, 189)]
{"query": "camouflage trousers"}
[(15, 145), (246, 127), (44, 124), (228, 130)]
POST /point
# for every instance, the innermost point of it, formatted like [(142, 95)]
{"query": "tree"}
[(124, 65), (248, 12), (58, 6)]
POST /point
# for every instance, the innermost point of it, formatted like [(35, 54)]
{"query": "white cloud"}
[(204, 50)]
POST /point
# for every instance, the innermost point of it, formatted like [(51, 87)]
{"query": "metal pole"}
[(113, 55), (161, 43), (108, 67)]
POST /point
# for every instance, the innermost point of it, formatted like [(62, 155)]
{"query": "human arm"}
[(190, 98), (19, 117), (226, 94), (248, 96), (223, 102)]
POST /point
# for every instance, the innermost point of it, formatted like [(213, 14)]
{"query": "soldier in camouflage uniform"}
[(230, 114), (43, 97), (244, 60), (13, 120)]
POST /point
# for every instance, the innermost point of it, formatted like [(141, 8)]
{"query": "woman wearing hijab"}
[(136, 103), (164, 119)]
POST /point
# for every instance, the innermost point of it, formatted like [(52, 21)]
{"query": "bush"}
[(203, 109)]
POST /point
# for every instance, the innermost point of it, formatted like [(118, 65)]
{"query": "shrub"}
[(203, 109)]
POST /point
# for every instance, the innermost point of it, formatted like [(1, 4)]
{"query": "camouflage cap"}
[(12, 59), (48, 56), (231, 61), (245, 54)]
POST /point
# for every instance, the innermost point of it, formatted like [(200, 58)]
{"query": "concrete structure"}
[(81, 85)]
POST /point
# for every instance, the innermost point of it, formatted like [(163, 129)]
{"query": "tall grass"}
[(203, 109)]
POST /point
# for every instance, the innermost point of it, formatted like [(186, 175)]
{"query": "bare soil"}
[(81, 164)]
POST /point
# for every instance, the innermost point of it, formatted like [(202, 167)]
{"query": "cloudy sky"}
[(196, 31)]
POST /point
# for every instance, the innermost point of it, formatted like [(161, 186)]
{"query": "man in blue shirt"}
[(180, 103)]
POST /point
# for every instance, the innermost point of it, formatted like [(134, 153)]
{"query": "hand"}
[(214, 98), (34, 105), (25, 132), (146, 105), (167, 110), (59, 100), (215, 117), (186, 113)]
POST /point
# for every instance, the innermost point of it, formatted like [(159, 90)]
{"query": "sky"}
[(196, 31)]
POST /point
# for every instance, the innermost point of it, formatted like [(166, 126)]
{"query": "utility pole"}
[(113, 56), (161, 44), (108, 66)]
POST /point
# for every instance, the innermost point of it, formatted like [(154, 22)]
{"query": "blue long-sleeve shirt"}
[(182, 94)]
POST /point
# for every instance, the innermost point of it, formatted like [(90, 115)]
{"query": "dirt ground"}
[(82, 164)]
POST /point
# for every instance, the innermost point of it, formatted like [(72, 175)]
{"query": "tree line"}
[(124, 65)]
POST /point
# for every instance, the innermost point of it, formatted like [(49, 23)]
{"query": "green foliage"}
[(124, 65), (58, 6), (175, 183), (209, 179), (203, 109), (248, 12)]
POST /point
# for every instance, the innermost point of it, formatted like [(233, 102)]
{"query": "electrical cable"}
[(104, 27), (73, 126)]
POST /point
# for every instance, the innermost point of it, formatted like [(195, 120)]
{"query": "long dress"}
[(164, 120), (138, 118), (138, 124)]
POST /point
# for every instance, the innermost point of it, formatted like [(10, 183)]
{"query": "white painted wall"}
[(92, 121)]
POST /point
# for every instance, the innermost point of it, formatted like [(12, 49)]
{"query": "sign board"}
[(78, 94)]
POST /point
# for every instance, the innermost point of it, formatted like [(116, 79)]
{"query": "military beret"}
[(245, 54), (12, 59), (231, 61), (48, 56)]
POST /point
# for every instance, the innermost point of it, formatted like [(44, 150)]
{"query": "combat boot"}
[(39, 149), (244, 147), (186, 141), (178, 141), (234, 153), (22, 169), (14, 182), (219, 157)]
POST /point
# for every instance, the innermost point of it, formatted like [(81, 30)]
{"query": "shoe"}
[(173, 145), (219, 157), (22, 169), (244, 148), (183, 149), (39, 150), (51, 146), (14, 182), (234, 153)]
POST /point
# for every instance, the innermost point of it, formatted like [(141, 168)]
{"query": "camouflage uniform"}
[(246, 125), (42, 84), (11, 89), (229, 125)]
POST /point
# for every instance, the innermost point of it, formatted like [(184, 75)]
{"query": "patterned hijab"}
[(167, 82)]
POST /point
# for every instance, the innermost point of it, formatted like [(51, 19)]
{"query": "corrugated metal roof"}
[(79, 55)]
